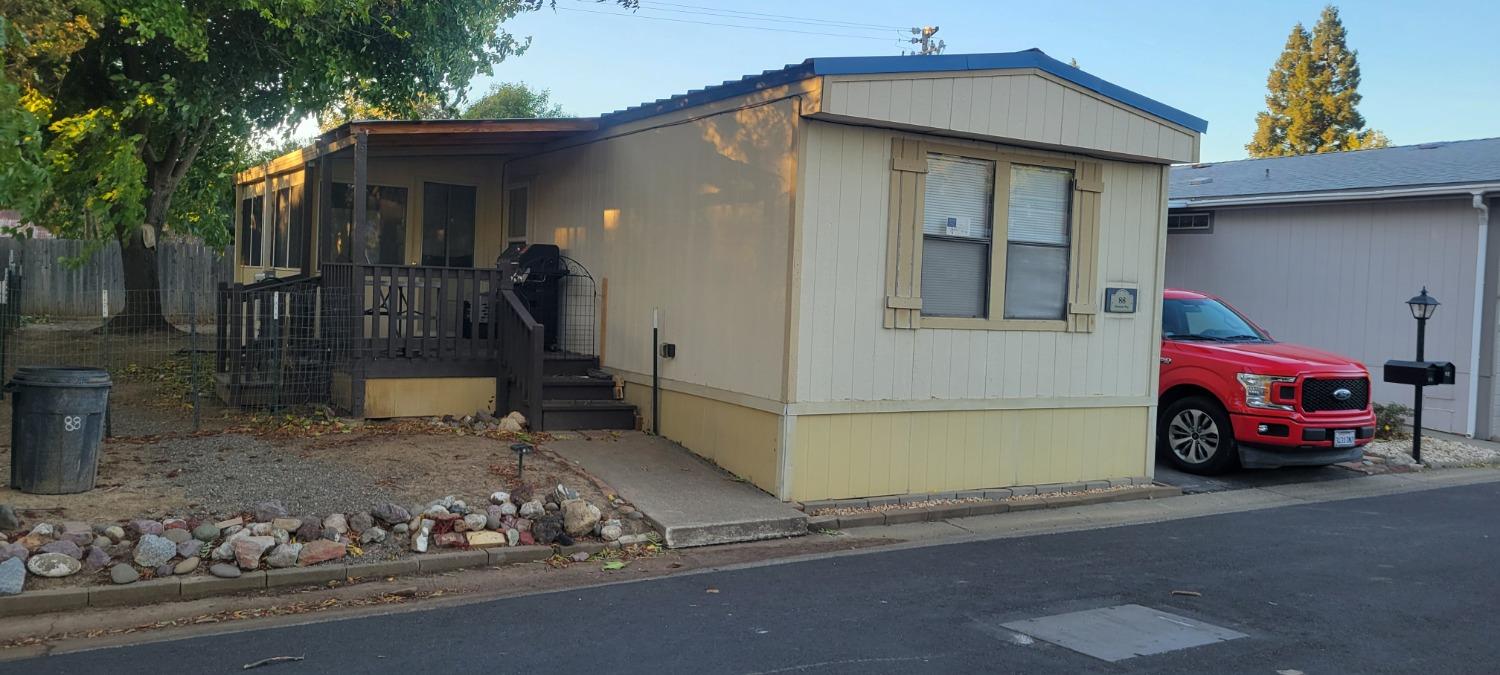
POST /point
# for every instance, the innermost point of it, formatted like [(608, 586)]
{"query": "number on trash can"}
[(72, 422)]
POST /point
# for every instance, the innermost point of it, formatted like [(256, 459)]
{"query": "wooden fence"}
[(56, 288)]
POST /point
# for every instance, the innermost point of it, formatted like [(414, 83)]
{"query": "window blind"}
[(959, 196), (1036, 262), (957, 226)]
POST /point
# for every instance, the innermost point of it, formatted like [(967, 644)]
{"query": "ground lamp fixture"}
[(1419, 373), (521, 450)]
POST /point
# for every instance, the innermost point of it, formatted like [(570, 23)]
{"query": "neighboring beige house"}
[(879, 275), (1325, 250)]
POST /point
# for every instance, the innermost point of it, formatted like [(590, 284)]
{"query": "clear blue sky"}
[(1431, 69)]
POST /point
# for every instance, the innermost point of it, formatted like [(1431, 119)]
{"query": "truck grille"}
[(1317, 394)]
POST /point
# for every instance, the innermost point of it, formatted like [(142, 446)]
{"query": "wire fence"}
[(211, 360)]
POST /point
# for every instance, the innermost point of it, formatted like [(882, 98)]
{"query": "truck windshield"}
[(1206, 319)]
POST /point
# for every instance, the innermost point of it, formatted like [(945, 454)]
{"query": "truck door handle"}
[(1166, 360)]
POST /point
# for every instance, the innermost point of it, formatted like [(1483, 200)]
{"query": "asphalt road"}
[(1405, 583)]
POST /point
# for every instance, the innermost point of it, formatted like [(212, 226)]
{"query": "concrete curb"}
[(172, 589), (947, 511)]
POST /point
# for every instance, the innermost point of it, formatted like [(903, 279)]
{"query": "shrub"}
[(1390, 420)]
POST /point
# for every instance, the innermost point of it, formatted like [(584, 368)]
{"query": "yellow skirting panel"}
[(745, 441), (872, 454), (428, 396)]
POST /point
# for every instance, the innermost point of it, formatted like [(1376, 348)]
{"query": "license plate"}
[(1343, 438)]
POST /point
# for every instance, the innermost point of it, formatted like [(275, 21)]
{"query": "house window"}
[(385, 213), (956, 236), (518, 207), (287, 228), (1037, 242), (447, 225), (252, 211), (1190, 221)]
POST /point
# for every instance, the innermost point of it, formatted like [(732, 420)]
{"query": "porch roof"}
[(447, 137)]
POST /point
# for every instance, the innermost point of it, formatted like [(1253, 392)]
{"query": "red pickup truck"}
[(1232, 396)]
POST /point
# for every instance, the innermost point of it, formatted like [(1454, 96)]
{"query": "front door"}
[(447, 225)]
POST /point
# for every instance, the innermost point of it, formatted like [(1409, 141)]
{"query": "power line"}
[(651, 4), (730, 25)]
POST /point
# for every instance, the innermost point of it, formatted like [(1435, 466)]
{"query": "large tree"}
[(514, 100), (1313, 95), (122, 118)]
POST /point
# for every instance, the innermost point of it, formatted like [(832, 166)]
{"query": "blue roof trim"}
[(870, 65)]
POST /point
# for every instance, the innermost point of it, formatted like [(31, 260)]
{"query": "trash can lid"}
[(61, 376)]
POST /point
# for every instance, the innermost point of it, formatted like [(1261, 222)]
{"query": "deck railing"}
[(399, 318), (519, 371)]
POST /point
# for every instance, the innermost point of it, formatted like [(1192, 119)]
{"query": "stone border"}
[(1049, 500), (991, 493), (172, 589)]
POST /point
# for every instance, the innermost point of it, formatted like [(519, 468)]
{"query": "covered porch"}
[(411, 309)]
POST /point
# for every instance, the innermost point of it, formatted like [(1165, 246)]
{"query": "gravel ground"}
[(234, 471), (1435, 451)]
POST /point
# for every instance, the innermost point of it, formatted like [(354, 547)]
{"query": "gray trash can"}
[(57, 426)]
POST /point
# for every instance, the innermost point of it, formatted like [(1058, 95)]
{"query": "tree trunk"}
[(143, 307)]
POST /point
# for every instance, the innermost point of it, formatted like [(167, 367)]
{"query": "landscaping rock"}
[(492, 517), (611, 532), (121, 550), (400, 528), (187, 566), (78, 532), (550, 507), (123, 574), (14, 550), (532, 509), (174, 524), (284, 555), (96, 559), (206, 532), (475, 521), (450, 539), (144, 527), (459, 507), (526, 539), (260, 529), (153, 551), (372, 535), (421, 537), (320, 550), (177, 535), (233, 530), (266, 511), (63, 546), (547, 528), (507, 509), (165, 570), (564, 493), (499, 497), (189, 548), (115, 533), (581, 556), (579, 517), (288, 524), (635, 515), (310, 529), (225, 571), (336, 522), (486, 539), (391, 514), (361, 521), (232, 522), (281, 536), (12, 576), (53, 565), (331, 534), (512, 537), (248, 550), (435, 510), (101, 541), (43, 531), (8, 519)]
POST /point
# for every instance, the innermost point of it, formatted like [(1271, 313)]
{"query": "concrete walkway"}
[(690, 501)]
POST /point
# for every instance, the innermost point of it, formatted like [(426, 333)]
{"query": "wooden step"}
[(562, 414), (578, 388), (567, 363)]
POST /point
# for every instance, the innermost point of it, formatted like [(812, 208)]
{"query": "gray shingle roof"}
[(1403, 166)]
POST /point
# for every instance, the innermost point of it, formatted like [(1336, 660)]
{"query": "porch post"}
[(363, 234), (305, 208), (324, 221)]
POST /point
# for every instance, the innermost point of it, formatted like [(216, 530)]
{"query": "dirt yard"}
[(328, 467)]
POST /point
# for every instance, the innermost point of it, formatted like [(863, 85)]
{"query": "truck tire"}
[(1194, 434)]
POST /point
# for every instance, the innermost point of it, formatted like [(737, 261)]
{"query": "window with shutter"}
[(991, 240)]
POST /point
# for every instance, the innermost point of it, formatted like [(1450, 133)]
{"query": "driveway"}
[(1250, 478)]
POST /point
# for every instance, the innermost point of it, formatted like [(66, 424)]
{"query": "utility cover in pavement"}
[(1122, 632)]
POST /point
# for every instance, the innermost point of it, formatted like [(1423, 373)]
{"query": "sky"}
[(1431, 69)]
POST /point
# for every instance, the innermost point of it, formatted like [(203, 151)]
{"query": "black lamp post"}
[(1423, 306)]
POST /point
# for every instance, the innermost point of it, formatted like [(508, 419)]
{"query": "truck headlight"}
[(1258, 390)]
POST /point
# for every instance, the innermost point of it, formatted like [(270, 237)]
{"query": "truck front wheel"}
[(1195, 435)]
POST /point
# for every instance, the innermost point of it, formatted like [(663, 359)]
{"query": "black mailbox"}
[(1422, 373)]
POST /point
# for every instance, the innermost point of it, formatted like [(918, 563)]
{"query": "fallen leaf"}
[(1191, 594), (613, 565)]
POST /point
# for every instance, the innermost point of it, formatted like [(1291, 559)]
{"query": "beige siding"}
[(865, 455), (1023, 106), (428, 396), (1337, 276), (694, 219), (843, 352)]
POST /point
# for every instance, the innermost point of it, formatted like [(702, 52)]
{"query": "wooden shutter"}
[(1088, 193), (903, 251)]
